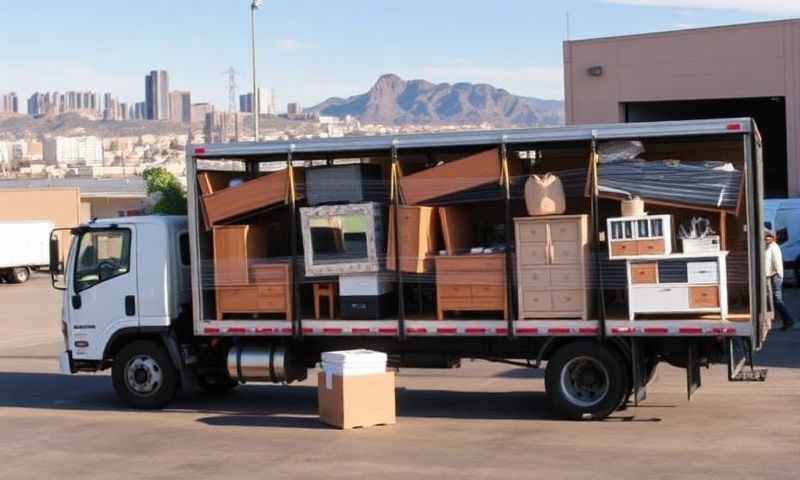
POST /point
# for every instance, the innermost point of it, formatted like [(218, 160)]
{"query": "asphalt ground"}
[(480, 421)]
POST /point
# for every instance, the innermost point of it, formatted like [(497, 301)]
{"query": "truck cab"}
[(124, 280)]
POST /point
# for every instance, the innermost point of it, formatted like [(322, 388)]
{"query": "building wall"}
[(740, 61), (108, 207), (62, 206)]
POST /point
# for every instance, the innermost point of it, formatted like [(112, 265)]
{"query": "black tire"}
[(144, 375), (19, 275), (595, 382), (216, 383)]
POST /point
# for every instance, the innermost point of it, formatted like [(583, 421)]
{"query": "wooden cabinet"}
[(552, 256), (244, 281), (470, 283), (235, 247), (418, 228), (678, 283), (269, 292)]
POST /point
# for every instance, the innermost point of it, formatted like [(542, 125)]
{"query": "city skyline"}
[(310, 57)]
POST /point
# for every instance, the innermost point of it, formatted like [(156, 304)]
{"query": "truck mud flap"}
[(693, 376), (740, 362)]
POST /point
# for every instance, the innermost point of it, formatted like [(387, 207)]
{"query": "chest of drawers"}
[(552, 257), (678, 283), (266, 291), (470, 283)]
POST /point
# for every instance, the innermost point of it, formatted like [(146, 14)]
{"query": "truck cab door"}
[(102, 291)]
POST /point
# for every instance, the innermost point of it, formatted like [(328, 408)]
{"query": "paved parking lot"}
[(481, 421)]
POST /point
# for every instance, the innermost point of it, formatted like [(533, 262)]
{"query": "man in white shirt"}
[(774, 267)]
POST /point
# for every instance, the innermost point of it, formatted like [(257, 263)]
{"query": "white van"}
[(782, 215)]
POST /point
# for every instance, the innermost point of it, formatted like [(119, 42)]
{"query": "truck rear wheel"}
[(144, 376), (585, 381)]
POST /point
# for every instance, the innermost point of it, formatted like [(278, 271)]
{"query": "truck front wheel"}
[(585, 381), (19, 275), (144, 376)]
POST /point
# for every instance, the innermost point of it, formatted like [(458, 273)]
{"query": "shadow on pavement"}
[(264, 405), (782, 350)]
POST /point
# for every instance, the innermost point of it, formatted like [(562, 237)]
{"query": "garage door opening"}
[(769, 113)]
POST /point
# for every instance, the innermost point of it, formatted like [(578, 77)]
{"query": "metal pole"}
[(255, 100), (401, 304)]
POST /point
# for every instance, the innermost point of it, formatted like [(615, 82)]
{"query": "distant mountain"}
[(394, 101)]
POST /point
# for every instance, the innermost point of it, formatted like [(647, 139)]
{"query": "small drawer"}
[(458, 291), (532, 253), (488, 291), (470, 263), (703, 297), (644, 273), (272, 303), (271, 290), (269, 273), (624, 248), (537, 301), (564, 232), (650, 247), (567, 300), (565, 254), (702, 272), (532, 232), (534, 278), (569, 277)]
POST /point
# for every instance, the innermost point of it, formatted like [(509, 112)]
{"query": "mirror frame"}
[(371, 211)]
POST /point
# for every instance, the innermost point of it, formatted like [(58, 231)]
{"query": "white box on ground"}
[(351, 363)]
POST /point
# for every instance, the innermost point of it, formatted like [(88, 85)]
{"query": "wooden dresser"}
[(471, 283), (244, 281), (552, 258)]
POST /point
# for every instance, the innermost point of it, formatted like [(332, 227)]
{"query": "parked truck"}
[(23, 248), (425, 247)]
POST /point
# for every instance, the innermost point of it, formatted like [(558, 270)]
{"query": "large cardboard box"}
[(356, 400)]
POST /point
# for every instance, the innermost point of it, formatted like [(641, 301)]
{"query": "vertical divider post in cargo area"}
[(297, 326), (595, 218), (505, 181), (395, 199)]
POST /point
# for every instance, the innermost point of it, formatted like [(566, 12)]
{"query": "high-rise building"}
[(140, 110), (156, 90), (180, 106), (222, 127), (246, 103), (294, 108), (71, 151), (199, 111), (9, 103)]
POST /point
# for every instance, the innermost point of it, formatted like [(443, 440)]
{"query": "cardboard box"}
[(356, 400)]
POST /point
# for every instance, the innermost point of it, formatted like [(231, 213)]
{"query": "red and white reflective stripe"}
[(527, 331), (656, 330), (690, 331), (478, 330)]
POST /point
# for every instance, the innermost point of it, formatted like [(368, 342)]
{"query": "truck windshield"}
[(102, 255)]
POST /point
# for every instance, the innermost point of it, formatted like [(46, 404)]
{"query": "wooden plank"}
[(451, 177), (456, 229)]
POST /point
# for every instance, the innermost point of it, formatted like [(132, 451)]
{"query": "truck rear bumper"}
[(65, 363)]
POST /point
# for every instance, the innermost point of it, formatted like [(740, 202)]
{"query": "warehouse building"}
[(731, 71)]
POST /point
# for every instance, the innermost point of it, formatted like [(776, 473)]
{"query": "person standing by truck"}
[(774, 268)]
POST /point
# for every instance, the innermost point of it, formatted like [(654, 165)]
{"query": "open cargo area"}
[(501, 233)]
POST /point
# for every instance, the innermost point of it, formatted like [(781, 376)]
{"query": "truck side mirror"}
[(56, 265), (782, 236)]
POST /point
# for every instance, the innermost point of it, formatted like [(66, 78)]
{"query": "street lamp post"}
[(256, 100)]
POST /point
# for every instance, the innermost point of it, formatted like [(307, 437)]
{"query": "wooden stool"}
[(324, 290)]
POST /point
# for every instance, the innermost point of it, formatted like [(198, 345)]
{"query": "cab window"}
[(102, 255)]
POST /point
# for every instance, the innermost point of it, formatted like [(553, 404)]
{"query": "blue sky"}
[(309, 50)]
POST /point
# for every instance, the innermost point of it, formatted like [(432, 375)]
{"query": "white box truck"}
[(24, 247), (225, 296)]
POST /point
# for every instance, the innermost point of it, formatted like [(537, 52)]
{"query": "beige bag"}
[(544, 195), (633, 207)]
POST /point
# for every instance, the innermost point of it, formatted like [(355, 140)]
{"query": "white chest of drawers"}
[(678, 283)]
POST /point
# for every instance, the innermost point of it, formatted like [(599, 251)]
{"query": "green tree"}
[(173, 196)]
